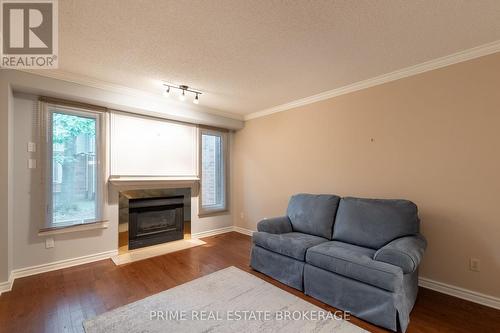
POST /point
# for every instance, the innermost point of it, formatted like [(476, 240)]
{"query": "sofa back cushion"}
[(375, 222), (313, 214)]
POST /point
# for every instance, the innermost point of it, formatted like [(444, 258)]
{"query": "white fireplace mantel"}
[(140, 182)]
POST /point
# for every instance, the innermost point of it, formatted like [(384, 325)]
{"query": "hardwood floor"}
[(59, 301)]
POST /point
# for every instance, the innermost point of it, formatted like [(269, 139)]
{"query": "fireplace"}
[(155, 220)]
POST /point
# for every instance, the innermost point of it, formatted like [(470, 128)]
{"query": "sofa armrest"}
[(405, 252), (275, 225)]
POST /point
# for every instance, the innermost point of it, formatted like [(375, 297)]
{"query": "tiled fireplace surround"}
[(123, 205)]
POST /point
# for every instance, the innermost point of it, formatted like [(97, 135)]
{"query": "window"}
[(73, 165), (213, 156)]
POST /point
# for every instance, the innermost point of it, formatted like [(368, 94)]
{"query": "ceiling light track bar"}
[(183, 87)]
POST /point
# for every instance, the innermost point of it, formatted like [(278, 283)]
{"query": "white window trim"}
[(74, 228), (46, 158), (207, 211)]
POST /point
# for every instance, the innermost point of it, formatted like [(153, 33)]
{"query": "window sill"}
[(73, 228), (213, 213)]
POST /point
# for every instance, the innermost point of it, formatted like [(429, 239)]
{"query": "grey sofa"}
[(358, 255)]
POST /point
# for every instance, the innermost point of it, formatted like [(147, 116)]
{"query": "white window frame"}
[(210, 210), (48, 108)]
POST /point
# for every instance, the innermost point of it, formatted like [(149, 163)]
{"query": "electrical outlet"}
[(31, 147), (474, 264), (49, 243), (242, 216)]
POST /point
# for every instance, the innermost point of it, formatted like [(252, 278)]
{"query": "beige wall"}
[(436, 141), (20, 246), (6, 186), (29, 248)]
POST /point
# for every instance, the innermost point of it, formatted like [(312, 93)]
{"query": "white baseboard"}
[(6, 286), (27, 271), (222, 231), (22, 272), (212, 232), (466, 294), (469, 295), (244, 231)]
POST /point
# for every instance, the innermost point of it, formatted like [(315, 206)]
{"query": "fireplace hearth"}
[(155, 220)]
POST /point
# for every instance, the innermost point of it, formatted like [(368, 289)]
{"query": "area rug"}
[(229, 300)]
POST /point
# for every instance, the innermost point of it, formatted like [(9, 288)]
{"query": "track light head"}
[(182, 97), (166, 93), (196, 100)]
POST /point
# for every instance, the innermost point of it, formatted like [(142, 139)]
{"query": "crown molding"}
[(430, 65), (116, 88), (469, 54)]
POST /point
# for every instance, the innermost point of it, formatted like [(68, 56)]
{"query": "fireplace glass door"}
[(155, 220)]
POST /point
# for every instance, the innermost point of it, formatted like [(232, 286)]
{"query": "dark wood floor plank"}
[(59, 301)]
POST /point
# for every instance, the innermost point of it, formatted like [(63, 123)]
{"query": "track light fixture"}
[(166, 93), (183, 90)]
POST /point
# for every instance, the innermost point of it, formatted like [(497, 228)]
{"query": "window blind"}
[(147, 146)]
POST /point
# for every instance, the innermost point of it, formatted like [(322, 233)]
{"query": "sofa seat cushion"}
[(355, 262), (292, 244)]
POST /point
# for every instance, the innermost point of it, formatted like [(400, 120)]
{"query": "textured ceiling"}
[(252, 55)]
